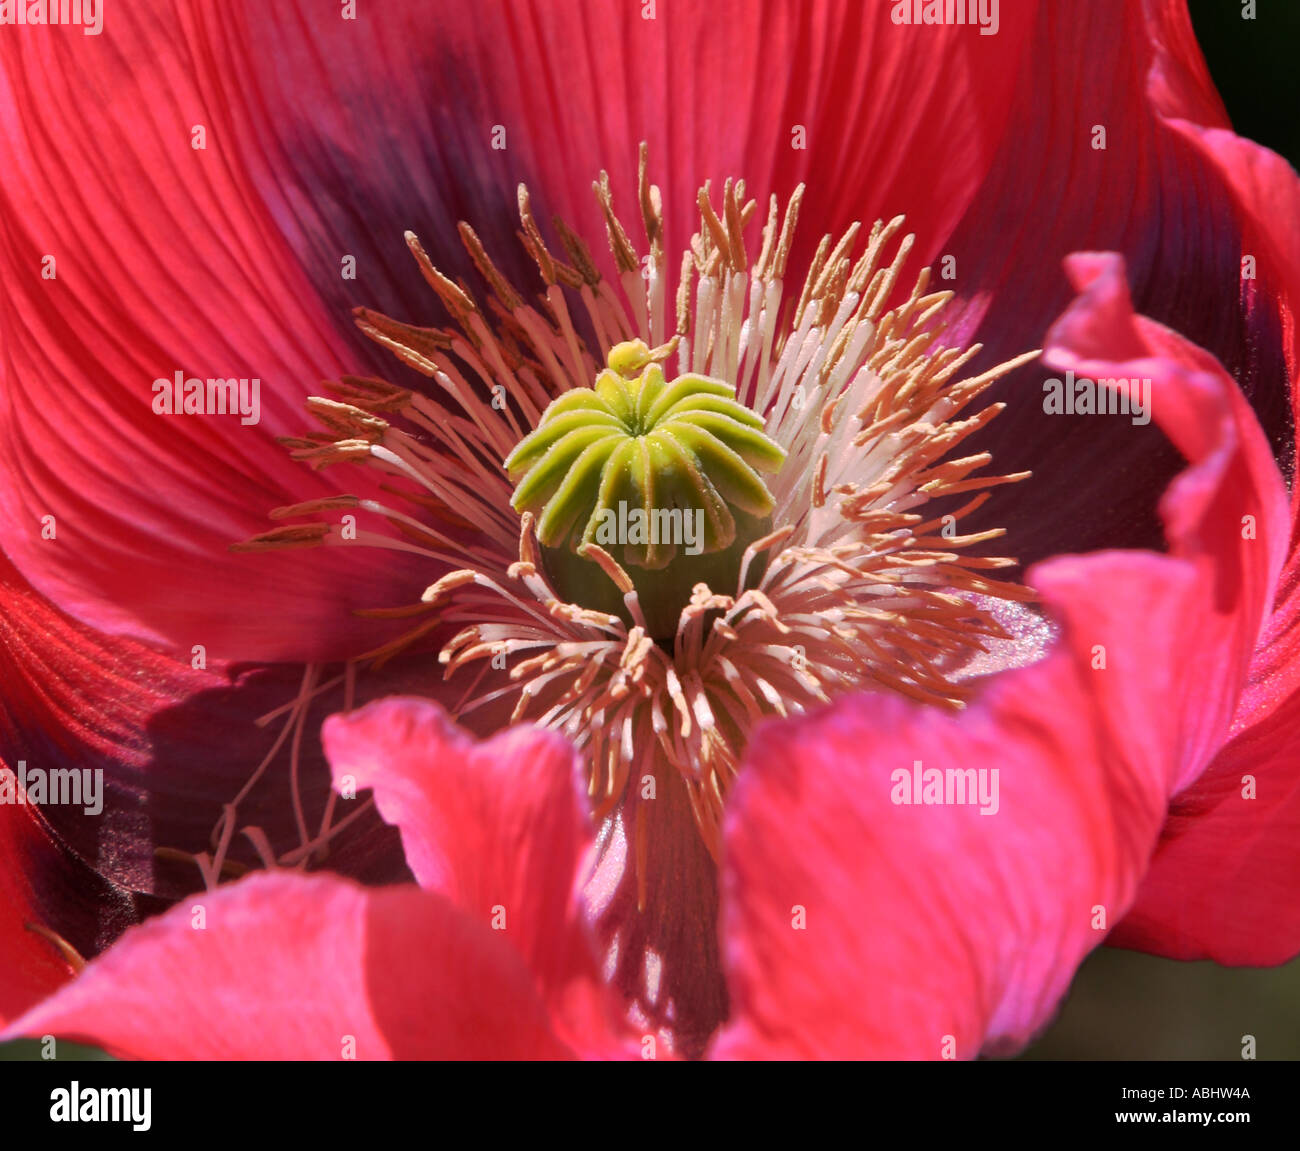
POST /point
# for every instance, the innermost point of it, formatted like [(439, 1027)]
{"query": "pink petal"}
[(499, 827), (288, 967), (1205, 510), (938, 931), (1223, 878), (1266, 194), (934, 932)]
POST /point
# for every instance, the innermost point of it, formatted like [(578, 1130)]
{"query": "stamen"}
[(217, 866), (845, 578), (70, 954)]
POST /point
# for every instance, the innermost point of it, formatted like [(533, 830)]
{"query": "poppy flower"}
[(750, 719)]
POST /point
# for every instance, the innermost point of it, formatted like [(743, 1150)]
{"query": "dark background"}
[(1129, 1006), (1256, 68)]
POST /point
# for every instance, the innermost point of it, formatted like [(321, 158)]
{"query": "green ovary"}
[(663, 475)]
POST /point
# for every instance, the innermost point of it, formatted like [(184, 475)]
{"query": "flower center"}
[(737, 503), (662, 476)]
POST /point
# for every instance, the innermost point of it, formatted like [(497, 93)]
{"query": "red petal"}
[(499, 827), (226, 262), (1167, 207), (896, 118), (889, 118), (174, 745), (288, 967), (165, 263), (33, 966), (1222, 883)]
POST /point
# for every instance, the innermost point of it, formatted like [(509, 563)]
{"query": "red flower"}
[(851, 923)]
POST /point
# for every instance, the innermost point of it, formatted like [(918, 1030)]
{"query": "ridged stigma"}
[(661, 474), (629, 453)]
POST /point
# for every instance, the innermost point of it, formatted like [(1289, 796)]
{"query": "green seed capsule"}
[(649, 469)]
